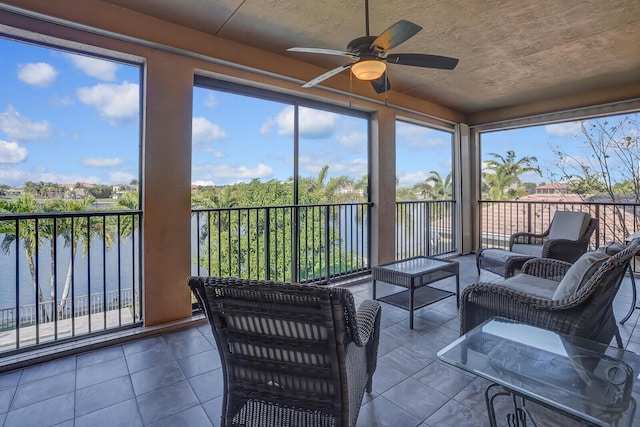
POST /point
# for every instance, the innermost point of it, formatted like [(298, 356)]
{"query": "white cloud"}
[(57, 101), (204, 131), (267, 127), (225, 173), (118, 104), (101, 162), (18, 176), (313, 124), (410, 179), (20, 128), (312, 165), (211, 101), (203, 182), (11, 152), (13, 176), (420, 137), (572, 162), (353, 140), (120, 177), (563, 129), (37, 73), (94, 67)]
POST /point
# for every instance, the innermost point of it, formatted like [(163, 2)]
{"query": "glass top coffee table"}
[(415, 273), (582, 379)]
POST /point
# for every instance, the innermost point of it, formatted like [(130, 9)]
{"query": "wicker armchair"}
[(548, 245), (292, 355), (587, 313)]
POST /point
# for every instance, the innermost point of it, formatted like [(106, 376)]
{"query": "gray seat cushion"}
[(499, 255), (532, 285), (524, 249), (568, 225), (579, 273)]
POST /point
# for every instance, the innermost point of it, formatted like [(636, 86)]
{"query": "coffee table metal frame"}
[(416, 272), (519, 360)]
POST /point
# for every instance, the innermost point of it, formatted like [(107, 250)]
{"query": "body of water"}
[(98, 264)]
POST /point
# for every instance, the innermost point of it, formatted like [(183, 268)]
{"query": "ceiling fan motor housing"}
[(362, 46)]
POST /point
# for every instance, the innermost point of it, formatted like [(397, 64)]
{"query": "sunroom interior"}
[(520, 63)]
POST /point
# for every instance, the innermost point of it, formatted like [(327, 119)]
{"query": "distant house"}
[(14, 192), (553, 192), (552, 188), (121, 189), (77, 190)]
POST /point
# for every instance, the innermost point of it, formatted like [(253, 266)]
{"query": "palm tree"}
[(440, 189), (28, 233), (501, 180), (67, 230), (434, 187), (52, 229)]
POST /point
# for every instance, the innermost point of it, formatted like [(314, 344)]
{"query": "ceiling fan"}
[(370, 55)]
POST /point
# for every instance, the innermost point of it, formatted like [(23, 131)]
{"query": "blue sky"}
[(68, 118), (539, 142)]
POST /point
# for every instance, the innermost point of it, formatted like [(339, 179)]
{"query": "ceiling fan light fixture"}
[(368, 69)]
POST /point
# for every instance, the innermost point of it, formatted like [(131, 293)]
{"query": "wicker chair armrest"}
[(526, 238), (367, 315), (546, 268)]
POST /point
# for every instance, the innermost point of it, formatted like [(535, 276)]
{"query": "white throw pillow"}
[(579, 273)]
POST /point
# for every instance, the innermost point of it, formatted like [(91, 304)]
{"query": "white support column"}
[(383, 186), (166, 179), (466, 168)]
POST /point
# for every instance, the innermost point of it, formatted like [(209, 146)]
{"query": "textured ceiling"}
[(511, 52)]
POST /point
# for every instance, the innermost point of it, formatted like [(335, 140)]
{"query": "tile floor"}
[(175, 379)]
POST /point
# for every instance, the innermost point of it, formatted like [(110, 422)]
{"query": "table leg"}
[(411, 307), (633, 297), (457, 290), (374, 289), (491, 411), (517, 418)]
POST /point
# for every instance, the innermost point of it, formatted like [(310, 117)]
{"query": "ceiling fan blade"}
[(323, 51), (422, 60), (326, 75), (381, 84), (398, 33)]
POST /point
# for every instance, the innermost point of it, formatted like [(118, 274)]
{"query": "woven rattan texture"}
[(588, 313), (292, 355)]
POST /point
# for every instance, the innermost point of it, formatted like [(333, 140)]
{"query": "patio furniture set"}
[(302, 355)]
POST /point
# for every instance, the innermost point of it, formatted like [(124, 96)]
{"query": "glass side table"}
[(582, 379)]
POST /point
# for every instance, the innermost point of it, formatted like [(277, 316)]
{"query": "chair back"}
[(595, 297), (568, 225), (280, 343)]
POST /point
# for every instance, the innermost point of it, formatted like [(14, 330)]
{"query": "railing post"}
[(326, 243), (295, 235), (267, 245), (428, 226), (597, 232)]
